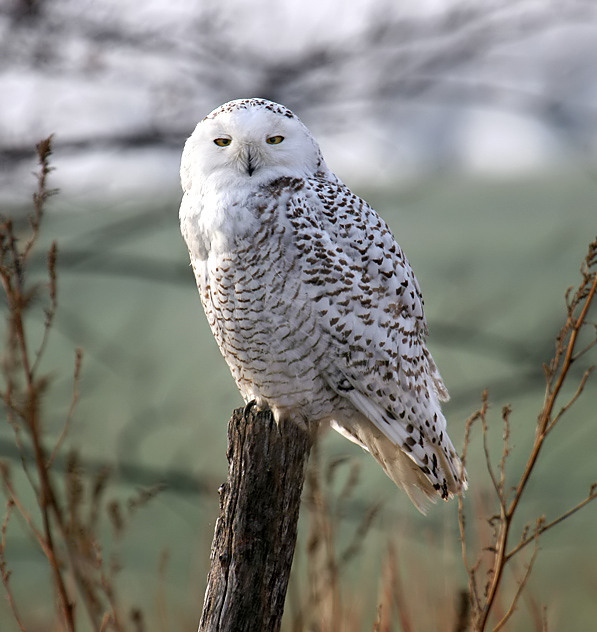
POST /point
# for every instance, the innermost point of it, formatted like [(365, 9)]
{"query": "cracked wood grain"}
[(255, 535)]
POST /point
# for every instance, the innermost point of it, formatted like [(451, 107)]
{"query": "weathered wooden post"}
[(255, 535)]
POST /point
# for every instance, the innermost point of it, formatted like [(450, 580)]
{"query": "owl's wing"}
[(367, 301)]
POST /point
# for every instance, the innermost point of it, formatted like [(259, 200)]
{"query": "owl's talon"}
[(249, 407)]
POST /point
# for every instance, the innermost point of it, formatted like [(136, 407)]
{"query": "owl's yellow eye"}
[(274, 140), (222, 142)]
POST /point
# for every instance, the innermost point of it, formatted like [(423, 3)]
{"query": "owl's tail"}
[(405, 473), (401, 469)]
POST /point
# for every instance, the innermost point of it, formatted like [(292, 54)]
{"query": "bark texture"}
[(255, 535)]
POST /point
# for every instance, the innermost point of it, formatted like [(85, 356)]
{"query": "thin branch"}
[(506, 411), (545, 527), (48, 502), (582, 352), (461, 514), (572, 400), (547, 411), (4, 572), (50, 313), (44, 151), (12, 496), (71, 409), (519, 590), (489, 467)]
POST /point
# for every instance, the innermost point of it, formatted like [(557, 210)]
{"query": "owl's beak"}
[(250, 163)]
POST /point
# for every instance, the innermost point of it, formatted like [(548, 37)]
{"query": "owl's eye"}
[(274, 140), (222, 142)]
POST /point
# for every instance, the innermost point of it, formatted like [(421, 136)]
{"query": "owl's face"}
[(251, 140)]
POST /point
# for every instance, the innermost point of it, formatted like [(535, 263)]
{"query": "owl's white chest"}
[(213, 221)]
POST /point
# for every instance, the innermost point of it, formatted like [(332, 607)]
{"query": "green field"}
[(493, 257)]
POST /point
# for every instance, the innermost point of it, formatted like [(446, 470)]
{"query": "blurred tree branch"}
[(392, 58)]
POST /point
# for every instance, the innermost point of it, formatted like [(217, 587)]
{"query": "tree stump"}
[(255, 535)]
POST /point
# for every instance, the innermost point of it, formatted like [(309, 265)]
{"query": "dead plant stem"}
[(507, 515)]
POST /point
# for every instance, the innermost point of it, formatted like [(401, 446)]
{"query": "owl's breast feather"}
[(213, 223)]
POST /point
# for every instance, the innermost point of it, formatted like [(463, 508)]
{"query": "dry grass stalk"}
[(66, 518), (484, 596), (23, 387), (324, 606)]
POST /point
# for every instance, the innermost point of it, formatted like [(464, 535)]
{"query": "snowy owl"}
[(311, 300)]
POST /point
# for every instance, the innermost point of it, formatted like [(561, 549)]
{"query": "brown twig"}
[(50, 312), (71, 409), (25, 515), (521, 585), (545, 527), (581, 386), (479, 414), (4, 572)]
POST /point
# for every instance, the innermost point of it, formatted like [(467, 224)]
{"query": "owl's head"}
[(250, 140)]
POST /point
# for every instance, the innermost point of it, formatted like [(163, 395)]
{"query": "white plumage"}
[(311, 300)]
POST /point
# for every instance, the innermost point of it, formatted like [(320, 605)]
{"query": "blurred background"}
[(471, 127)]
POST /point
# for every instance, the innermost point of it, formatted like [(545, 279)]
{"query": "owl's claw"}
[(248, 407)]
